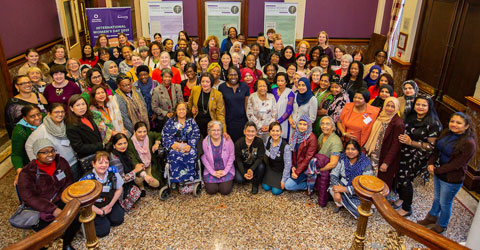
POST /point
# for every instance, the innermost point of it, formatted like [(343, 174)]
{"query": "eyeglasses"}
[(53, 151), (97, 77), (35, 115), (23, 83), (58, 112)]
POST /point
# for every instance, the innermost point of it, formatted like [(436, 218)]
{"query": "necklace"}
[(59, 92)]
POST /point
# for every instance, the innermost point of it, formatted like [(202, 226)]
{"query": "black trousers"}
[(114, 218), (257, 174), (405, 193)]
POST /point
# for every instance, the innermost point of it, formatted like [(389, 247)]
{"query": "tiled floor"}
[(239, 221)]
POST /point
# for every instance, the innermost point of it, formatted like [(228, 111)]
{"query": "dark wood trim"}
[(403, 65), (415, 49), (201, 18), (453, 103), (425, 87), (474, 101), (333, 41), (4, 64), (20, 59)]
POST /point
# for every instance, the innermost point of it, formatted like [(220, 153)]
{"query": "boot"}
[(255, 188), (429, 220), (438, 229)]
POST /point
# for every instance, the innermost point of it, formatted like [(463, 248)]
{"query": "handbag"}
[(86, 163), (25, 217)]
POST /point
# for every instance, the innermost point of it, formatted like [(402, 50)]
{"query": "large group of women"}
[(307, 118)]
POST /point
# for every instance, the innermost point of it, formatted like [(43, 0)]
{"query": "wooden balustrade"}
[(370, 189), (79, 196)]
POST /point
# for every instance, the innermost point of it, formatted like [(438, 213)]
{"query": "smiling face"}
[(215, 132), (255, 50), (261, 41), (322, 38), (194, 46), (281, 81), (190, 73), (215, 55), (169, 45), (167, 80), (248, 78), (324, 82), (101, 165), (127, 53), (338, 54), (278, 45), (136, 61), (288, 53), (141, 133), (24, 85), (215, 72), (302, 88), (121, 145), (408, 90), (125, 85), (354, 69), (351, 152), (302, 126), (206, 84), (315, 55), (79, 108), (60, 53), (157, 38), (301, 61), (226, 60), (32, 58), (270, 72), (34, 117), (250, 62), (324, 62), (182, 111), (344, 64), (276, 132), (232, 33), (180, 56), (57, 114), (100, 96), (384, 93), (35, 76), (182, 44), (232, 77), (104, 56), (212, 43), (274, 59), (421, 107), (46, 155), (203, 63), (113, 69), (73, 65), (59, 77), (250, 132), (389, 108), (458, 124), (122, 39), (87, 50), (326, 126), (262, 88), (336, 89), (96, 78), (359, 100), (380, 58), (103, 41), (374, 74), (316, 77), (291, 70)]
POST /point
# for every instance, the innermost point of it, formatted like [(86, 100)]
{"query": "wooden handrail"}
[(412, 229), (79, 196), (371, 189), (52, 231)]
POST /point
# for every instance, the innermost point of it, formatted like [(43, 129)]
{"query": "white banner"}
[(165, 18), (220, 16), (283, 18)]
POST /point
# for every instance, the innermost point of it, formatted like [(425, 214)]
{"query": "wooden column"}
[(365, 187), (86, 192)]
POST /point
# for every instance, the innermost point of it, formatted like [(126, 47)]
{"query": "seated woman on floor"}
[(352, 163), (120, 159), (40, 190), (304, 144), (278, 160), (249, 153), (180, 136), (108, 209), (142, 147), (217, 159)]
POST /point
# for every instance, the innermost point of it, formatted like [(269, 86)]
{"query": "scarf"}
[(107, 75), (26, 124), (135, 107), (352, 171), (143, 150), (335, 108), (377, 125), (127, 168), (251, 84), (368, 79), (305, 97), (300, 137), (47, 168), (118, 59), (409, 99), (378, 102), (54, 129), (146, 90)]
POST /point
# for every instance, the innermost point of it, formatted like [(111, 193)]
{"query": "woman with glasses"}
[(24, 96)]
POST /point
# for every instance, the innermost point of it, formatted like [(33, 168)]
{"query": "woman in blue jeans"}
[(454, 149)]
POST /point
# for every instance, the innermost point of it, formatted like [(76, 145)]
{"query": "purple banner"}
[(109, 21)]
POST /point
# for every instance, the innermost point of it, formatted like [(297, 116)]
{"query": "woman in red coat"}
[(383, 145), (304, 144)]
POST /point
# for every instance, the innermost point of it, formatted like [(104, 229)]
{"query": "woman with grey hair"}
[(218, 158), (330, 145), (345, 61), (166, 97)]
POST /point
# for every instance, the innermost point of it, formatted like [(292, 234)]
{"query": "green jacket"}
[(157, 169), (19, 156)]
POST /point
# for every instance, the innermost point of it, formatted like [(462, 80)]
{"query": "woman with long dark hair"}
[(455, 147), (422, 128), (354, 80)]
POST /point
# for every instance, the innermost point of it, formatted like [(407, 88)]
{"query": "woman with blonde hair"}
[(35, 76), (322, 41)]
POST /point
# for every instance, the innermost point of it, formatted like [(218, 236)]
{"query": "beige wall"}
[(408, 25)]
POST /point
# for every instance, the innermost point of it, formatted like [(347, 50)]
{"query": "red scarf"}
[(49, 169)]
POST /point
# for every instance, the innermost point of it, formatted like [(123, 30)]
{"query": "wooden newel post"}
[(365, 186), (86, 192)]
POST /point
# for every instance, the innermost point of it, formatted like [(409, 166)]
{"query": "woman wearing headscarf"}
[(373, 75), (305, 103), (146, 85), (336, 100), (384, 92), (410, 92), (304, 145), (383, 146), (249, 78), (115, 55), (213, 54), (110, 72)]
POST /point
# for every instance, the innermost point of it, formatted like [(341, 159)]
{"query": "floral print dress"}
[(182, 165)]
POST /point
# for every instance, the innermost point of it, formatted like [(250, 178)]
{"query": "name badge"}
[(60, 176), (263, 109), (65, 142), (367, 120), (106, 189)]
